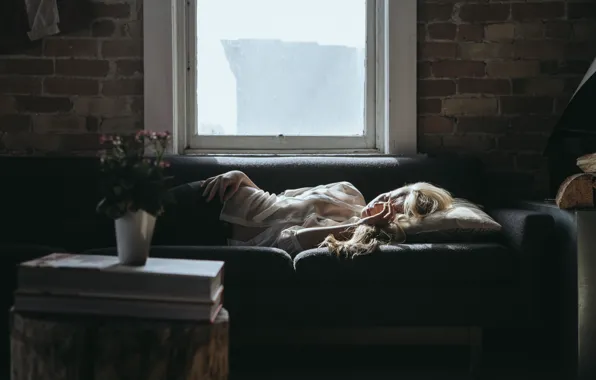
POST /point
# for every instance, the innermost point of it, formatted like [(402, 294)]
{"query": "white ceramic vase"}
[(134, 232)]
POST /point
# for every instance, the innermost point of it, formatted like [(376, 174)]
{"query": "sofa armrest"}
[(527, 232), (531, 234)]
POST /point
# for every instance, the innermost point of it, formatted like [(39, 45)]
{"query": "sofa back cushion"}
[(51, 200)]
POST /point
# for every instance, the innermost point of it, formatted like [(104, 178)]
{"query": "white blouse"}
[(282, 215)]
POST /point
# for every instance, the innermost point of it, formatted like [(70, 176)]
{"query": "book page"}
[(68, 260)]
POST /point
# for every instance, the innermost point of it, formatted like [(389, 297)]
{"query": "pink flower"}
[(139, 135), (164, 164)]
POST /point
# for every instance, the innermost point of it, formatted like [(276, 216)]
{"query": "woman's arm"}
[(226, 184), (312, 237)]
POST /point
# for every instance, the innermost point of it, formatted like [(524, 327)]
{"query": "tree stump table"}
[(52, 347)]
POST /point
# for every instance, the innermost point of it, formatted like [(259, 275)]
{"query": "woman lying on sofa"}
[(333, 215)]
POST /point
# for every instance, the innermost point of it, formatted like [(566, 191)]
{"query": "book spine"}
[(133, 285)]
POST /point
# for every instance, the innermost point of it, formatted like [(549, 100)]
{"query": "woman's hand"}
[(381, 214), (226, 184), (374, 206)]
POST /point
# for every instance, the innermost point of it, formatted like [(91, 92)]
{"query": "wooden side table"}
[(73, 347)]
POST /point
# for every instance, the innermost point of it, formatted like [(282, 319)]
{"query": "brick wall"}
[(57, 95), (493, 76)]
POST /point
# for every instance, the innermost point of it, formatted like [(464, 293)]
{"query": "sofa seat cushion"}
[(413, 263)]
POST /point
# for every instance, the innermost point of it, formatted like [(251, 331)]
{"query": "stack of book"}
[(172, 289)]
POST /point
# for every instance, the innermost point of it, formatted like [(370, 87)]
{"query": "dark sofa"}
[(49, 204)]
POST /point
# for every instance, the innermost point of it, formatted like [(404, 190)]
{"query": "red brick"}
[(424, 70), (71, 86), (500, 32), (482, 51), (103, 28), (482, 124), (484, 12), (122, 87), (137, 105), (122, 48), (435, 12), (483, 86), (59, 123), (436, 50), (458, 69), (129, 67), (435, 124), (522, 142), (82, 67), (429, 143), (558, 29), (70, 47), (7, 104), (577, 10), (538, 86), (584, 30), (530, 30), (126, 124), (421, 32), (15, 123), (436, 87), (468, 143), (470, 32), (583, 50), (132, 29), (542, 10), (526, 105), (533, 123), (429, 106), (78, 141), (442, 31), (30, 143), (100, 106), (32, 49), (539, 49), (512, 69), (470, 106), (43, 104), (20, 85), (92, 124), (571, 67), (32, 66), (118, 10)]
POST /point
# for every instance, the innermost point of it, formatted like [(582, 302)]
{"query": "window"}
[(287, 76)]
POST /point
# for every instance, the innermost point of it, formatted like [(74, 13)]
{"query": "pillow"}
[(463, 222)]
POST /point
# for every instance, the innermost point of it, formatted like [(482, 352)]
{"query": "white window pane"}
[(290, 67)]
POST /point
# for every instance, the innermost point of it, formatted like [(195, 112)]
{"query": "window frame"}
[(391, 127)]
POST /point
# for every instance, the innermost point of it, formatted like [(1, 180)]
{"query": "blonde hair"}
[(421, 200)]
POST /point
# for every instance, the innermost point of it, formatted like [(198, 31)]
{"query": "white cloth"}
[(284, 214), (43, 18)]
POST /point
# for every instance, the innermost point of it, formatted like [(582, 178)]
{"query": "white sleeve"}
[(288, 241)]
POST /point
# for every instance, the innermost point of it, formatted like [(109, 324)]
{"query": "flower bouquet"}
[(134, 189)]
